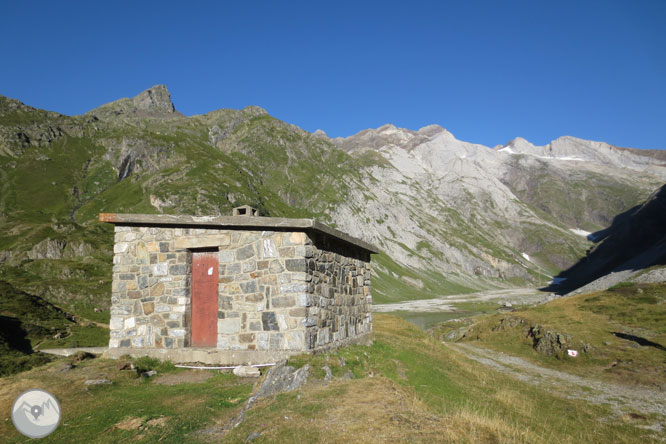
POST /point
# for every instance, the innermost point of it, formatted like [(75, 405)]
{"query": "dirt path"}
[(621, 399), (516, 296)]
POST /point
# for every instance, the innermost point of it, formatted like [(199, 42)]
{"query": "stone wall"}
[(277, 290), (339, 278)]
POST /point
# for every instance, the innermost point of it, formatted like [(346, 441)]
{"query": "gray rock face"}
[(481, 216), (48, 249), (245, 371), (283, 378), (153, 102), (155, 99)]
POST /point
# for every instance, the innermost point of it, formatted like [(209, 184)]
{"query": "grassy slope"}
[(28, 321), (55, 192), (634, 309), (405, 387)]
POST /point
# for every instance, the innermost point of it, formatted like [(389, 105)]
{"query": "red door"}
[(204, 299)]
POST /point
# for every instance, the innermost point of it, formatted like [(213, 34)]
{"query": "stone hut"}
[(235, 289)]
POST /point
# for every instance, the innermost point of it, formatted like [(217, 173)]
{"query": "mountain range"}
[(449, 216)]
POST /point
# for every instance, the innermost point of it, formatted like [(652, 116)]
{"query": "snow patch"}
[(526, 256), (557, 281), (509, 150), (580, 232)]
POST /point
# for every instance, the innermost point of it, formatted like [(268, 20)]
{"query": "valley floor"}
[(514, 296)]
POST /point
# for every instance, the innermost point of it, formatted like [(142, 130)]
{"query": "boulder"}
[(245, 371)]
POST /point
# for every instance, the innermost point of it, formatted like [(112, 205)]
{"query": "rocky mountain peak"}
[(517, 144), (155, 99), (432, 130), (153, 102), (320, 134)]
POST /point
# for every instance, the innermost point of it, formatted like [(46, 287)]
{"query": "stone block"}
[(178, 270), (228, 326), (142, 282), (160, 269), (286, 252), (245, 252), (269, 321), (282, 322), (177, 332), (148, 308), (275, 266), (121, 247), (309, 322), (255, 326), (276, 341), (223, 342), (295, 238), (262, 341), (157, 290), (202, 241), (121, 310), (254, 297), (129, 323), (244, 371), (162, 308), (233, 268), (300, 312), (248, 266), (294, 340), (248, 287), (119, 286), (270, 249), (304, 300), (226, 256), (295, 265), (135, 294), (296, 287), (116, 323), (283, 301), (246, 338)]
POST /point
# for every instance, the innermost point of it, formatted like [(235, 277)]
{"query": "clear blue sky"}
[(486, 70)]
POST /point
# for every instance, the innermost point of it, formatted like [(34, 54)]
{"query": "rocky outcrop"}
[(153, 102), (549, 343), (156, 100), (48, 249)]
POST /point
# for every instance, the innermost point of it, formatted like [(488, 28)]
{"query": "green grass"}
[(405, 387), (388, 286), (80, 336), (97, 414), (637, 310)]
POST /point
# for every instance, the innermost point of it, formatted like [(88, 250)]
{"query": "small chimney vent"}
[(245, 210)]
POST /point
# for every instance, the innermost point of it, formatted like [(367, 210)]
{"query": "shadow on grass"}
[(638, 340)]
